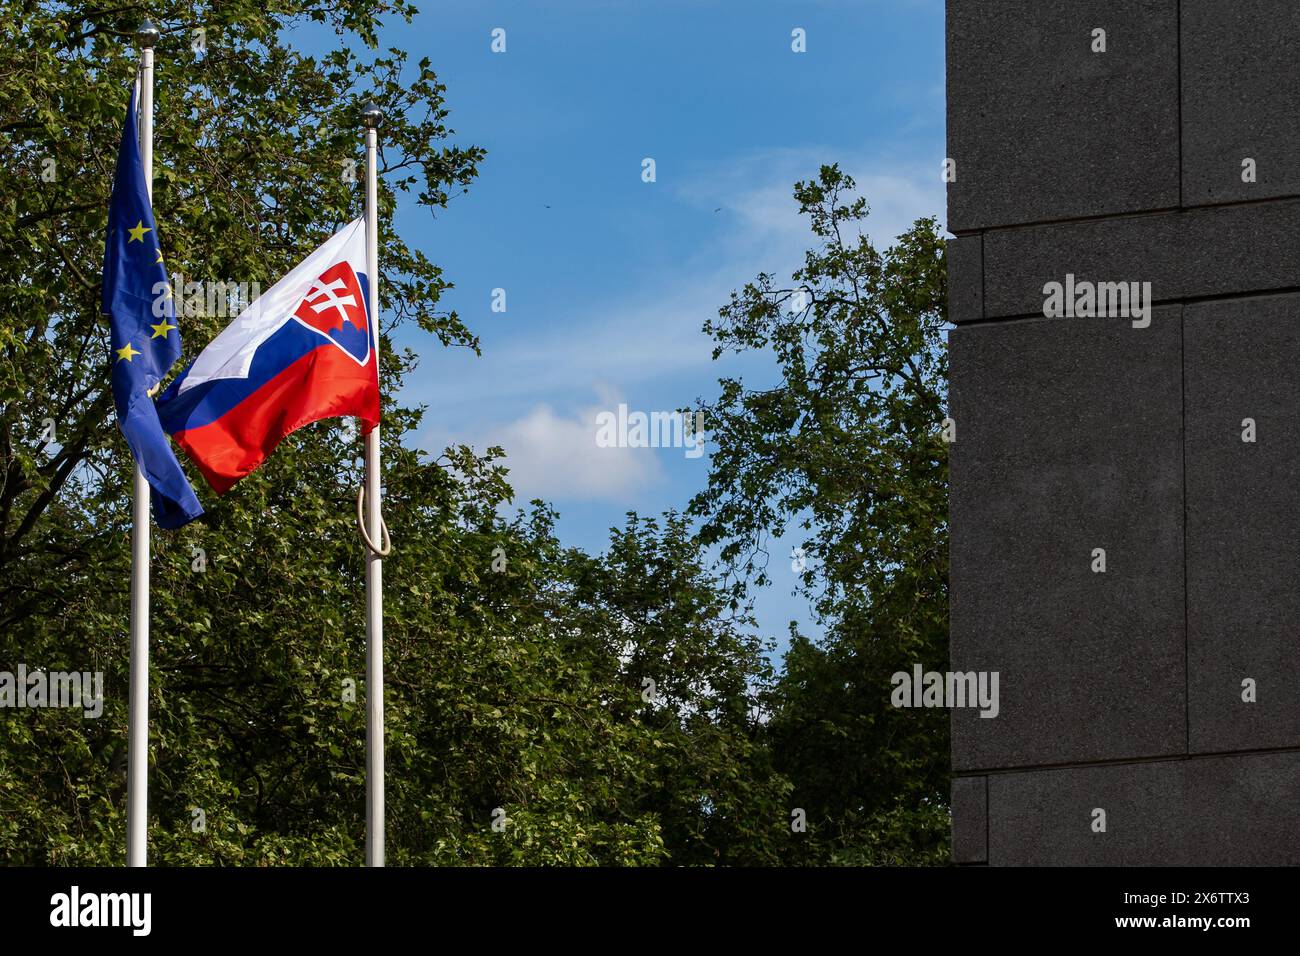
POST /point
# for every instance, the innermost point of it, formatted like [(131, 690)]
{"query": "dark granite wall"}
[(1122, 691)]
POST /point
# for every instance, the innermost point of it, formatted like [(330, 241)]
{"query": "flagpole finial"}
[(371, 116), (147, 34)]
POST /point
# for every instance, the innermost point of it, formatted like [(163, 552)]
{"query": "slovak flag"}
[(304, 350)]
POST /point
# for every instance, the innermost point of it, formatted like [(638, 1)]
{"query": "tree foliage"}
[(846, 451)]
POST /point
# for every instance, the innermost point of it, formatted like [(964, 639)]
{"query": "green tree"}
[(846, 449), (697, 675)]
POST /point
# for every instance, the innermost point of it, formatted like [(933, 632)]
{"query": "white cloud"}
[(555, 456)]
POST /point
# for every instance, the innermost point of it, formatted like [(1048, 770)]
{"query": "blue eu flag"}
[(145, 341)]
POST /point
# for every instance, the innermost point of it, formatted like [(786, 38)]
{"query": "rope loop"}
[(361, 526)]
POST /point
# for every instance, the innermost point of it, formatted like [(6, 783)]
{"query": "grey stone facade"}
[(1164, 690)]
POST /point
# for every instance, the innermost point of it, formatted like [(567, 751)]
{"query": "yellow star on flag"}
[(127, 352), (137, 234), (161, 329), (159, 259)]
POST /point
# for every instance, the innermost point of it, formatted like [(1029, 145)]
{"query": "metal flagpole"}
[(371, 117), (137, 773)]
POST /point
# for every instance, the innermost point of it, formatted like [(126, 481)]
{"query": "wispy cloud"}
[(554, 456), (757, 190), (648, 342), (655, 330)]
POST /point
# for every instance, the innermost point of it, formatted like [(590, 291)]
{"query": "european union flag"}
[(145, 340)]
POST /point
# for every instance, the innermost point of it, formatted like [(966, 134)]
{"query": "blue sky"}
[(608, 279)]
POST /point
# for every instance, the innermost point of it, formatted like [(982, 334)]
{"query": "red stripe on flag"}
[(324, 383)]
